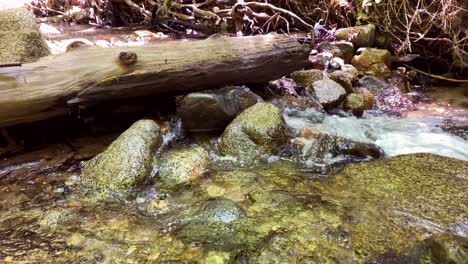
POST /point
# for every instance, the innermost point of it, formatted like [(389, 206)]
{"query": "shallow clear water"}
[(394, 135)]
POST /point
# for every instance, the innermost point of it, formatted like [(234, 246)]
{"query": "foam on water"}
[(394, 135)]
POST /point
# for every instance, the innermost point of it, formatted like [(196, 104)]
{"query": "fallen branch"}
[(437, 76)]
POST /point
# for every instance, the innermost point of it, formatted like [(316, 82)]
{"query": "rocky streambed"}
[(154, 196), (345, 163)]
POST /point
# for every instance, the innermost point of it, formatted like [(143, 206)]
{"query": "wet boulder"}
[(306, 78), (320, 147), (258, 130), (183, 164), (321, 60), (373, 84), (213, 110), (125, 163), (346, 76), (340, 49), (20, 39), (360, 36), (367, 96), (283, 86), (354, 103), (329, 93), (375, 62)]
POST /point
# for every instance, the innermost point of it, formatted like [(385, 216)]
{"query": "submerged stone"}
[(20, 39), (392, 204), (258, 130), (222, 210), (183, 164), (221, 224), (441, 248), (125, 163)]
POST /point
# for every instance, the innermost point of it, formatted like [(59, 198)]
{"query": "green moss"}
[(259, 129), (306, 78), (393, 203), (126, 162), (183, 164)]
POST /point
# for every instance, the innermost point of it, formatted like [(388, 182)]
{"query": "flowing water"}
[(274, 212)]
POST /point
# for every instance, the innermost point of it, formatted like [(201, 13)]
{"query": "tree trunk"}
[(52, 86)]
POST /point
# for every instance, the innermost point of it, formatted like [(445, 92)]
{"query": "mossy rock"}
[(368, 97), (306, 78), (386, 203), (125, 163), (360, 36), (354, 103), (183, 164), (20, 39), (375, 62), (258, 130)]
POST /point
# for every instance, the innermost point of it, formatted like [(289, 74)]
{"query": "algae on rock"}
[(183, 164), (260, 129), (125, 163)]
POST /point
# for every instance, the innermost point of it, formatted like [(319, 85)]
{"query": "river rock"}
[(221, 210), (340, 49), (125, 163), (213, 110), (183, 164), (221, 220), (360, 36), (320, 61), (354, 103), (283, 86), (345, 77), (259, 129), (441, 248), (373, 84), (20, 39), (321, 147), (306, 78), (329, 93), (368, 97), (375, 62)]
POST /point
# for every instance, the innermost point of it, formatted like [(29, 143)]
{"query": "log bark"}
[(54, 85)]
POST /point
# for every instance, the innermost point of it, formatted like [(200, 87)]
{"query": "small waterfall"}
[(394, 135)]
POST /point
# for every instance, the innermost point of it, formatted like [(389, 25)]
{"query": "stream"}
[(272, 212)]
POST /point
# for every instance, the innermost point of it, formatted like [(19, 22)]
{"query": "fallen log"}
[(54, 85)]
